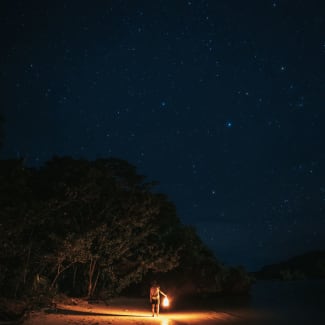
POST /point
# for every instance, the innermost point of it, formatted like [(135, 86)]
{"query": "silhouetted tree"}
[(86, 227), (15, 240), (98, 218)]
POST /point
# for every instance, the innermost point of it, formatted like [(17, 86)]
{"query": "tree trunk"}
[(60, 270), (74, 276), (92, 267), (95, 284)]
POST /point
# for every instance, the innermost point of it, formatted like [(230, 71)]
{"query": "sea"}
[(299, 302)]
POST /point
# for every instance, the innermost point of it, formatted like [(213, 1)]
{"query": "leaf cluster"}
[(85, 226), (94, 228)]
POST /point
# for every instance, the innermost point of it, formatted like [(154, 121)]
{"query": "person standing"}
[(155, 298)]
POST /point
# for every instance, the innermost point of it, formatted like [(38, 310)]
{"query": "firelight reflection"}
[(199, 317)]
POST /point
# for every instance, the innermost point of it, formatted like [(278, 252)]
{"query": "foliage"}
[(85, 228), (74, 221), (198, 273)]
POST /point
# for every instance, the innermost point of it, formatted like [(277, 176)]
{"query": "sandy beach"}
[(126, 311), (270, 303)]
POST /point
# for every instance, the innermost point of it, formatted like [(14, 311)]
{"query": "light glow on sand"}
[(127, 312)]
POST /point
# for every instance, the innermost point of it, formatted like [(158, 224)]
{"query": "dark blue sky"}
[(221, 102)]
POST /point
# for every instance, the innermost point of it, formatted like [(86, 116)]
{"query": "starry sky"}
[(220, 101)]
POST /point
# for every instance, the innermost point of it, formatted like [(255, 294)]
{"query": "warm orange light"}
[(165, 302)]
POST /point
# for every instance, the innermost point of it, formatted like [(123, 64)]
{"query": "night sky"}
[(221, 102)]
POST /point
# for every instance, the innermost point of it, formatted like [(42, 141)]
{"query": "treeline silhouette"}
[(308, 265), (95, 228)]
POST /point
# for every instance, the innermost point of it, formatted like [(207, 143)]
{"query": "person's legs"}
[(153, 309), (157, 309)]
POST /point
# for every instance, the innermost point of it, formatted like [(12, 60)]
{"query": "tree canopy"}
[(89, 227)]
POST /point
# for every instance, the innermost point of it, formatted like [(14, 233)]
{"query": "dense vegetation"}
[(311, 264), (94, 228)]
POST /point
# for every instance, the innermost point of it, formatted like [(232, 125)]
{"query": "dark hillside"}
[(311, 264)]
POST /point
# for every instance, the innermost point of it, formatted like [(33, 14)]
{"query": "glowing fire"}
[(165, 302)]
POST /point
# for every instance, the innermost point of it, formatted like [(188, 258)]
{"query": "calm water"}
[(277, 302)]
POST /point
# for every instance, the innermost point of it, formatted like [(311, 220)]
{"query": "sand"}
[(128, 311)]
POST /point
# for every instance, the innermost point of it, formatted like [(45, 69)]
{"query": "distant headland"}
[(308, 265)]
